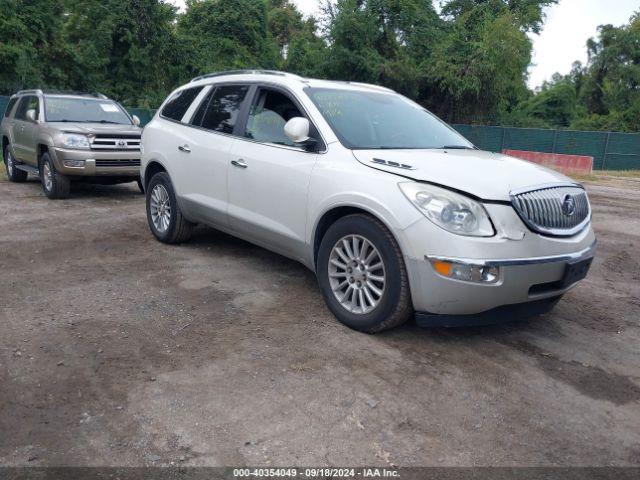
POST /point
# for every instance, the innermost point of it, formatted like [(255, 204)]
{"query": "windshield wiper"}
[(456, 147), (385, 147)]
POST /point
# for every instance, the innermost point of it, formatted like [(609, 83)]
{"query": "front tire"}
[(362, 275), (13, 174), (54, 185), (163, 213)]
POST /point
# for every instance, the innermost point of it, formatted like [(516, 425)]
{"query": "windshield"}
[(84, 110), (377, 120)]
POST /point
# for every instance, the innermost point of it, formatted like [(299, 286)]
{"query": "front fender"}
[(338, 183)]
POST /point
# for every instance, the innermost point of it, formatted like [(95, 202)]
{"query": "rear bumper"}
[(97, 163)]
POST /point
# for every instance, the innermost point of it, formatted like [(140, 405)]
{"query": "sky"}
[(566, 30), (563, 40)]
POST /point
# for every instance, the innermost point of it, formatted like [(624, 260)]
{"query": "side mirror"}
[(136, 120), (31, 115), (297, 130)]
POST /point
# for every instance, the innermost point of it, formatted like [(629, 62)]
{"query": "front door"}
[(24, 131), (269, 177)]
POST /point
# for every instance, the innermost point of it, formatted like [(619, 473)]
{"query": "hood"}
[(488, 176), (95, 128)]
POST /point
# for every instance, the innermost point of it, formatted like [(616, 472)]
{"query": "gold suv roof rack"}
[(63, 92)]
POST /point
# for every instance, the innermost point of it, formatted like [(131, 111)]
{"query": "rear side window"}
[(223, 109), (26, 104), (10, 105), (179, 103), (202, 109)]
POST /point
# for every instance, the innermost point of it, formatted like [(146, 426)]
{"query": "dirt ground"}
[(117, 350)]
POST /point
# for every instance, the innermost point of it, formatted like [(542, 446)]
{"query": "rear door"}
[(269, 176), (206, 148), (8, 121), (24, 130)]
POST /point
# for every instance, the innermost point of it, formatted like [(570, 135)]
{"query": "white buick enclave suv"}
[(393, 210)]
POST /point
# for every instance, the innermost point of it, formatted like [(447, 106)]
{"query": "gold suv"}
[(62, 137)]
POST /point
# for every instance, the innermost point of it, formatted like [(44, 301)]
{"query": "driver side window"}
[(26, 104), (268, 115)]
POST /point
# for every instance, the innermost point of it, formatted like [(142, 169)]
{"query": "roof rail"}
[(76, 93), (244, 72), (63, 92), (370, 85), (33, 91)]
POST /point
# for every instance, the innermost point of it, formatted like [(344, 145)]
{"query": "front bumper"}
[(521, 281), (117, 163), (531, 266)]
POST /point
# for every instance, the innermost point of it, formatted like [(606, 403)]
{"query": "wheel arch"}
[(335, 213), (41, 150), (44, 144), (153, 167)]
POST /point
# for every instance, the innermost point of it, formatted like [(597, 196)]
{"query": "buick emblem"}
[(569, 205), (121, 143)]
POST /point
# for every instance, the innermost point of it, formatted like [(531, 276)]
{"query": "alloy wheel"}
[(47, 176), (9, 160), (160, 207), (357, 274)]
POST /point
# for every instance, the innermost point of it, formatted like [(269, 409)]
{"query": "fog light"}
[(489, 274), (466, 272), (73, 163)]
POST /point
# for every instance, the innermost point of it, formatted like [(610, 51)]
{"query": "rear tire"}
[(13, 174), (362, 275), (163, 213), (54, 185)]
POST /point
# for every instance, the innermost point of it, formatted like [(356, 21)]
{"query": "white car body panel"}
[(268, 198), (202, 172), (486, 175), (279, 200)]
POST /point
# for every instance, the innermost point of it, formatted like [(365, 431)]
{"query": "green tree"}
[(124, 48), (307, 54), (381, 41), (301, 50), (31, 51), (226, 34), (480, 67), (555, 105), (610, 91), (603, 95), (527, 14)]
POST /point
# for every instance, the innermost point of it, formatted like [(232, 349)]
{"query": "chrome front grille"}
[(560, 210), (116, 142)]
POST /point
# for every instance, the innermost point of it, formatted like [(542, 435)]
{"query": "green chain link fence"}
[(610, 150)]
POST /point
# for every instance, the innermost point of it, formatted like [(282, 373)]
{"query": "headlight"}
[(449, 210), (74, 140)]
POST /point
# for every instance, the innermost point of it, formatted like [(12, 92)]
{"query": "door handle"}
[(184, 148), (240, 163)]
